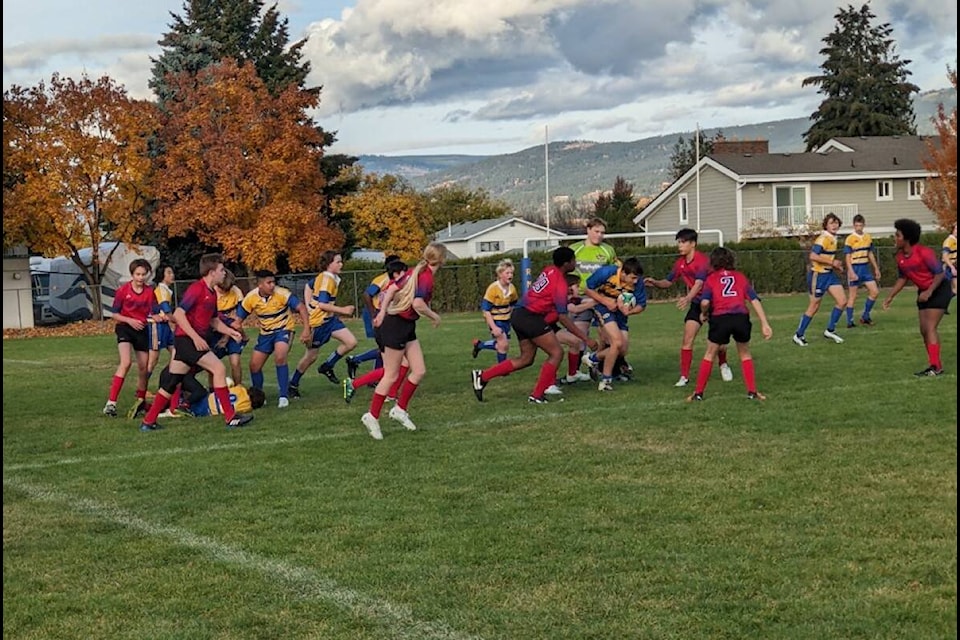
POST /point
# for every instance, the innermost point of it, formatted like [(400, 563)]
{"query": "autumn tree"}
[(453, 204), (940, 193), (864, 82), (618, 208), (239, 169), (75, 167), (685, 152), (385, 214)]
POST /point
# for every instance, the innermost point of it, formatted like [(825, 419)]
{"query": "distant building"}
[(481, 238)]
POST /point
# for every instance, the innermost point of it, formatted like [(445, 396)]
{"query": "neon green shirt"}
[(592, 257)]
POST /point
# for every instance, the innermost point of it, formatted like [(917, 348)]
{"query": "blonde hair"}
[(505, 264), (433, 255)]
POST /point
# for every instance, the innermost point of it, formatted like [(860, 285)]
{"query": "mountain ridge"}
[(580, 169)]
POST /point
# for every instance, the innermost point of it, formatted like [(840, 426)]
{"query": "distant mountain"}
[(580, 168)]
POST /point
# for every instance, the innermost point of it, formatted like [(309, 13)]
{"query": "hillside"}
[(578, 168)]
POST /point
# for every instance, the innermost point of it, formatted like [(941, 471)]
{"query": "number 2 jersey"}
[(728, 292)]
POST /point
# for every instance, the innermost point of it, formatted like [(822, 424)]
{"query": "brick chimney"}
[(755, 147)]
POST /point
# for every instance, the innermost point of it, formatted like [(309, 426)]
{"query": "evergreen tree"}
[(864, 82), (618, 208), (685, 152), (212, 30)]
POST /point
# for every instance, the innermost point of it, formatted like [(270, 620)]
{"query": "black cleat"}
[(929, 372), (240, 420), (146, 427), (293, 391), (476, 348), (695, 397), (851, 325), (867, 322), (478, 383), (352, 367), (537, 400), (327, 370), (755, 395)]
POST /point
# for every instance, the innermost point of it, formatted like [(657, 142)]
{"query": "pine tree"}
[(864, 82), (685, 152)]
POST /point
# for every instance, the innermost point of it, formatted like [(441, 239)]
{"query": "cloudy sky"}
[(497, 76)]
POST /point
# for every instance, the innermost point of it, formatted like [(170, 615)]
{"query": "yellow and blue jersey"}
[(825, 245), (949, 249), (273, 312), (227, 302), (499, 301), (164, 296), (858, 247), (376, 287), (324, 288)]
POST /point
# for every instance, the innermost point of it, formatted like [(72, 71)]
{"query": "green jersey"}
[(591, 257)]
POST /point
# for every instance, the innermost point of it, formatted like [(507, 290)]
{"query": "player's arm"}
[(695, 290), (765, 327), (420, 306), (664, 283), (848, 259), (897, 288), (824, 258), (301, 309), (367, 297)]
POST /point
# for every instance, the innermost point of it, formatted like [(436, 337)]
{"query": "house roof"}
[(842, 158), (468, 230)]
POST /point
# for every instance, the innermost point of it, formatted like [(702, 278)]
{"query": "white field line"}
[(36, 363), (303, 582), (560, 411)]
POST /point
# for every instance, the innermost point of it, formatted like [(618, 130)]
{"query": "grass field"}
[(828, 511)]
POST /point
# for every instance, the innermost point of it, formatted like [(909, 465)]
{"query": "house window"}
[(493, 246), (884, 190), (535, 245), (791, 205), (684, 202), (915, 189)]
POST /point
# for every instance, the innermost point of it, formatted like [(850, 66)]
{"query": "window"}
[(884, 190), (490, 247), (684, 209), (539, 245), (915, 189), (791, 205)]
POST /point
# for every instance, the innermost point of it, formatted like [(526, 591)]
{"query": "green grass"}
[(829, 511)]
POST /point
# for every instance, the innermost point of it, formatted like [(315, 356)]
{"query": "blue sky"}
[(496, 76)]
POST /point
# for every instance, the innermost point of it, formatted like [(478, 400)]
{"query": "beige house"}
[(481, 238), (744, 191)]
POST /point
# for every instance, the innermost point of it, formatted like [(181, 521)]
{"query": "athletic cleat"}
[(851, 325), (110, 409), (327, 370), (283, 403), (348, 390), (372, 425), (401, 416), (755, 395), (146, 427), (726, 373), (682, 382), (137, 410), (240, 420), (867, 322), (537, 400), (478, 383), (695, 397), (626, 369), (352, 367), (799, 340), (604, 386), (579, 376), (553, 390), (293, 391), (929, 372), (169, 413), (830, 335), (476, 348)]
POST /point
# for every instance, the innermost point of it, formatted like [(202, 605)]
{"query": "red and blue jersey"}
[(127, 302), (690, 271), (199, 302), (547, 295), (920, 266), (728, 292), (424, 290)]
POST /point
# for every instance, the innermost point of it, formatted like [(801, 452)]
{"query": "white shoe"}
[(682, 382), (800, 341), (283, 403), (579, 376), (588, 360), (553, 390), (168, 413), (830, 335), (372, 425), (726, 373), (403, 418), (605, 386)]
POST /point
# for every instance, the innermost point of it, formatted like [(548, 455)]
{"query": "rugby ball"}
[(628, 300)]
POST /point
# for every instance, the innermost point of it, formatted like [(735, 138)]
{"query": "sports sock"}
[(686, 360), (497, 370), (222, 394), (116, 383), (406, 392), (548, 374), (703, 375), (749, 375)]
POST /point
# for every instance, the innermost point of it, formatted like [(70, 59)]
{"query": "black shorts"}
[(396, 332), (939, 299), (186, 352), (139, 340), (693, 313), (528, 325), (735, 325)]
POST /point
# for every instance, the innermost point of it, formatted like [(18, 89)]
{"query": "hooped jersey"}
[(208, 406), (607, 282), (500, 300), (376, 287), (325, 287), (858, 246), (273, 312), (164, 298), (949, 248), (824, 245)]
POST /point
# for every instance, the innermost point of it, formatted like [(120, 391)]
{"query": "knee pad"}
[(169, 381)]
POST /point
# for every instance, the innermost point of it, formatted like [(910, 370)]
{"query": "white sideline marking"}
[(38, 363), (303, 581)]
